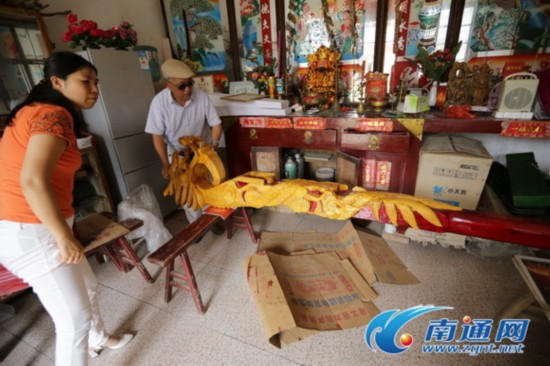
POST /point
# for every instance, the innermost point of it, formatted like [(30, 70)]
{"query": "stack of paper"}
[(244, 105)]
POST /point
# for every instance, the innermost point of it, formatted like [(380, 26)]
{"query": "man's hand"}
[(165, 171)]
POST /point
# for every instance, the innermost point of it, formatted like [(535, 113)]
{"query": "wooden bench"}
[(239, 219), (176, 247), (113, 244)]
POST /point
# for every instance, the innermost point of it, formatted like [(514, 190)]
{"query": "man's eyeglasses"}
[(182, 86)]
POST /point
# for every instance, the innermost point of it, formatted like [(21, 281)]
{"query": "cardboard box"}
[(308, 282), (452, 169)]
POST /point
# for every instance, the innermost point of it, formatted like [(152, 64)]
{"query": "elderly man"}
[(180, 110)]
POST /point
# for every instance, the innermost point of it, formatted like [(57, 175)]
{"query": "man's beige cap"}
[(175, 69)]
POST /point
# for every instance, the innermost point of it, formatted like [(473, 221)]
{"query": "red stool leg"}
[(168, 281), (131, 255), (239, 219), (192, 283), (248, 223), (229, 225)]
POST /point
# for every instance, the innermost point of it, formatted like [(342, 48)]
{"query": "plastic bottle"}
[(290, 168), (300, 164), (280, 86)]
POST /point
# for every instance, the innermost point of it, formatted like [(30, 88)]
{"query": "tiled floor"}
[(230, 332)]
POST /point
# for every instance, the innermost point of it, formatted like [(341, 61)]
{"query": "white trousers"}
[(67, 291)]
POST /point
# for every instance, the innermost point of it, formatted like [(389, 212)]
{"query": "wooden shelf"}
[(101, 200), (402, 151)]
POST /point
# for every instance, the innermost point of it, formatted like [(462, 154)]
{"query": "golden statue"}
[(196, 180), (459, 85), (482, 84), (321, 78)]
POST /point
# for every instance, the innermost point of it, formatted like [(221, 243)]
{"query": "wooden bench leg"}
[(182, 280), (168, 281), (130, 256), (192, 283), (239, 219)]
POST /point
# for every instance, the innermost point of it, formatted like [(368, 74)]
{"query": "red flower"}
[(72, 18), (86, 34), (96, 32), (67, 36), (76, 29), (109, 33), (88, 24)]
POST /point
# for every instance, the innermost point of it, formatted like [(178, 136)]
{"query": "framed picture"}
[(260, 34), (352, 28), (266, 159), (199, 33), (204, 83), (535, 272), (238, 87)]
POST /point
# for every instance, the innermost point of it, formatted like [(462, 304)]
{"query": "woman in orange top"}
[(38, 160)]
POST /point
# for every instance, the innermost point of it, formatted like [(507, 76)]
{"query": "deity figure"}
[(320, 80)]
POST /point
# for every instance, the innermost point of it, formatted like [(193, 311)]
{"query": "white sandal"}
[(122, 342)]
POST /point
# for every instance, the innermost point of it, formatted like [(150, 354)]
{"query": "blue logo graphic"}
[(383, 328)]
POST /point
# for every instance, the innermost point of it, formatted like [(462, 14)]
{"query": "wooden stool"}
[(176, 247), (102, 236), (239, 219)]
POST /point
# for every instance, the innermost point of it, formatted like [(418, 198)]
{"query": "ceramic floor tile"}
[(223, 303), (248, 328), (345, 347), (15, 351), (207, 248), (229, 351), (30, 323), (234, 252), (166, 341)]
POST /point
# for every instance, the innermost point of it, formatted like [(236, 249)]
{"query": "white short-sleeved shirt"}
[(169, 119)]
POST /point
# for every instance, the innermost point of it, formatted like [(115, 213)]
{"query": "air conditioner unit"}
[(516, 95)]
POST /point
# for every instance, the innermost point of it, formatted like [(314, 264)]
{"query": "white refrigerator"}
[(118, 121)]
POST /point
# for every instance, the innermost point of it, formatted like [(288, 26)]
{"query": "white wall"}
[(145, 15)]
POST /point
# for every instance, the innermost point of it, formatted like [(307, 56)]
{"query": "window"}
[(22, 52)]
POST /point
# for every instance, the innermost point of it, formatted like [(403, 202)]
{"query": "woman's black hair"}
[(60, 64)]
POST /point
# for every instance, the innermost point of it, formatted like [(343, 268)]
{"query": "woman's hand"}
[(71, 250)]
